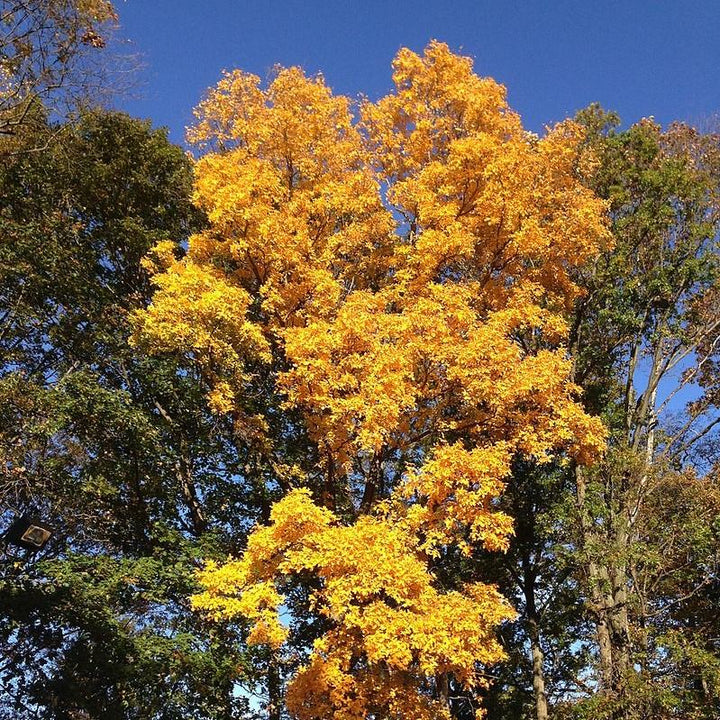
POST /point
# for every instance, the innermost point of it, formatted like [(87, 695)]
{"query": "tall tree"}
[(645, 341), (405, 279), (547, 644), (116, 450)]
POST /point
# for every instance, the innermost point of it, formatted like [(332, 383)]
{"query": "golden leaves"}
[(197, 310), (404, 278), (375, 587)]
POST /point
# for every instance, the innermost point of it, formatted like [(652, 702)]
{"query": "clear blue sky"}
[(641, 58)]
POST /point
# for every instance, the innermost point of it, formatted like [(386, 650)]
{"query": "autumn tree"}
[(49, 56), (403, 281)]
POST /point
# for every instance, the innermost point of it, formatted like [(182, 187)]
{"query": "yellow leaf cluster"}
[(391, 626), (196, 309), (405, 275), (294, 205)]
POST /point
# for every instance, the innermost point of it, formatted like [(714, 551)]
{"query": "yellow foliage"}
[(406, 278), (388, 617)]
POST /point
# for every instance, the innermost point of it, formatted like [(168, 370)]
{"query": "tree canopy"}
[(369, 410), (404, 279)]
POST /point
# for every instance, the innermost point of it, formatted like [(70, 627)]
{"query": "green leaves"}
[(117, 450)]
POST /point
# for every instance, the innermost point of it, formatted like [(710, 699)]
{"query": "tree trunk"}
[(541, 711), (274, 706), (596, 579), (619, 622), (442, 682), (189, 494), (602, 632)]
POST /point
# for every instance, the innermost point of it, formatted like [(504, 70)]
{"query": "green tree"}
[(547, 644), (645, 342), (614, 570), (118, 451)]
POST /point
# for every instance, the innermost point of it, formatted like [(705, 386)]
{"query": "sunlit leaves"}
[(405, 277)]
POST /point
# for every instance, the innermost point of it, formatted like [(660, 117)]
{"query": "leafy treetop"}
[(406, 277)]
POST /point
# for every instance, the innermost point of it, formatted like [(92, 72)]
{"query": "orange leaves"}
[(197, 310), (496, 204), (437, 99), (349, 376), (389, 362), (402, 280), (291, 198), (456, 488)]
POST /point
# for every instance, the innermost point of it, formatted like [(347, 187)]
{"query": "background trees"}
[(645, 344), (49, 56), (389, 313), (117, 451), (634, 539)]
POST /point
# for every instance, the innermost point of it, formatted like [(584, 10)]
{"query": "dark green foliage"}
[(646, 343), (116, 450)]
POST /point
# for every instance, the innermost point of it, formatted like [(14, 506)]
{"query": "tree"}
[(48, 54), (118, 451), (403, 281), (645, 338)]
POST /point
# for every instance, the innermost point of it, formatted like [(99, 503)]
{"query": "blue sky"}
[(640, 58)]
